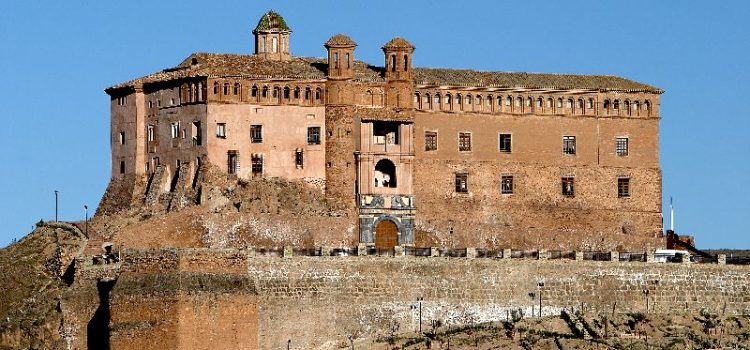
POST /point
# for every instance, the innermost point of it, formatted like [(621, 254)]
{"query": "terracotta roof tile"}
[(398, 43), (340, 40), (309, 68)]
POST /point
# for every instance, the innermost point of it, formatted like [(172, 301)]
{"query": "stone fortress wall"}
[(198, 298)]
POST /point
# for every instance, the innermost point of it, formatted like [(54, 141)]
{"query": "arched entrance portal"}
[(386, 235)]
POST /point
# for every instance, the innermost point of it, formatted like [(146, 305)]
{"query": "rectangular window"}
[(221, 130), (257, 165), (122, 167), (506, 184), (505, 143), (150, 133), (462, 183), (175, 128), (299, 159), (569, 144), (256, 133), (122, 138), (313, 135), (621, 146), (233, 162), (623, 187), (430, 141), (568, 186), (464, 141)]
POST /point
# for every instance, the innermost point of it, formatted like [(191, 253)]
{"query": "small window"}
[(621, 146), (504, 143), (462, 183), (549, 103), (569, 104), (236, 90), (226, 89), (171, 102), (506, 184), (216, 88), (122, 138), (464, 141), (569, 144), (150, 104), (175, 130), (539, 103), (158, 103), (254, 91), (264, 92), (296, 93), (313, 135), (122, 167), (616, 104), (257, 165), (568, 186), (221, 130), (256, 133), (150, 134), (590, 103), (430, 141), (286, 93), (623, 187), (299, 159)]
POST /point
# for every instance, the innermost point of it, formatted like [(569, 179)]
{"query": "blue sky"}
[(57, 57)]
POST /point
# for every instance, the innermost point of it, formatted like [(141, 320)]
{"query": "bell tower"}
[(340, 57), (398, 73), (272, 37)]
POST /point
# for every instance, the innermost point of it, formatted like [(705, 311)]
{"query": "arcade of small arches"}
[(468, 102)]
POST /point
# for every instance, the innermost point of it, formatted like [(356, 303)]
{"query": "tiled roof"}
[(256, 67), (272, 21), (467, 77), (340, 40), (398, 43)]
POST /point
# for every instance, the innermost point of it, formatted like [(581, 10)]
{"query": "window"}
[(335, 60), (122, 167), (286, 92), (226, 89), (256, 133), (506, 184), (549, 102), (298, 158), (464, 141), (216, 88), (621, 146), (264, 92), (236, 90), (559, 103), (233, 162), (150, 133), (616, 104), (504, 143), (569, 104), (569, 144), (462, 183), (221, 130), (348, 60), (539, 103), (623, 187), (296, 93), (430, 141), (313, 135), (257, 165), (568, 186), (122, 138), (590, 103), (175, 129)]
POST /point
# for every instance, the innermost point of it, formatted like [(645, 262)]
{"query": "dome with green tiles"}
[(272, 21)]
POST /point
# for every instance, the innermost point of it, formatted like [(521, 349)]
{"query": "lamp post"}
[(288, 344), (56, 203), (86, 211), (419, 302), (540, 284)]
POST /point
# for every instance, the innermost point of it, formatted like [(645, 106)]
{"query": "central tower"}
[(272, 37)]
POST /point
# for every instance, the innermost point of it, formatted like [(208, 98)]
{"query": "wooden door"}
[(386, 235)]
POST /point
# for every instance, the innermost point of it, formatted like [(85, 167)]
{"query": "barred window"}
[(256, 133), (621, 146), (464, 141), (506, 184), (313, 135), (505, 142), (623, 187), (257, 165), (569, 144), (462, 183), (430, 141), (568, 186)]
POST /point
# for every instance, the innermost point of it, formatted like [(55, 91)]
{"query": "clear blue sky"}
[(57, 57)]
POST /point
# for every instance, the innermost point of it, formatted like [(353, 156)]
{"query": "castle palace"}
[(400, 150)]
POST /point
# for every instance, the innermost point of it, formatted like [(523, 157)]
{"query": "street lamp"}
[(540, 284), (86, 211), (419, 301), (56, 203)]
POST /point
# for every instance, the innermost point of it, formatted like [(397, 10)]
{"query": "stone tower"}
[(340, 69), (398, 73), (272, 37)]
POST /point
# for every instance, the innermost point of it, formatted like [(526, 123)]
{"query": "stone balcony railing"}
[(387, 201)]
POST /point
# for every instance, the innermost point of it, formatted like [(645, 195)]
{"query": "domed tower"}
[(340, 57), (398, 73), (272, 37)]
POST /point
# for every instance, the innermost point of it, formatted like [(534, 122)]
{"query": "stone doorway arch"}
[(386, 235)]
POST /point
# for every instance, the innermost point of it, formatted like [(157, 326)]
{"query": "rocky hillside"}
[(33, 274)]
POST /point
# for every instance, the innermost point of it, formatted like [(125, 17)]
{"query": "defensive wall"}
[(246, 299)]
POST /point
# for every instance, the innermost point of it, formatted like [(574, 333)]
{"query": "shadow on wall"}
[(98, 328)]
